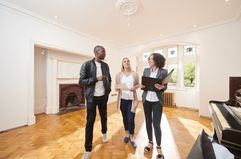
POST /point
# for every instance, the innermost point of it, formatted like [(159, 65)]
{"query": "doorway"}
[(40, 90)]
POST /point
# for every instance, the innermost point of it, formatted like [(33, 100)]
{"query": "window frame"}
[(180, 60)]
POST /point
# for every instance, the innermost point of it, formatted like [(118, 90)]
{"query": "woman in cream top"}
[(127, 82)]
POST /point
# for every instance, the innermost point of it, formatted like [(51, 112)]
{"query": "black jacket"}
[(161, 74), (88, 78)]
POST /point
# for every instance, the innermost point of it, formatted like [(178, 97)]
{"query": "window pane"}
[(174, 74), (189, 74), (172, 52), (145, 56), (189, 50)]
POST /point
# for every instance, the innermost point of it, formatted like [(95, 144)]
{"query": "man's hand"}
[(101, 78)]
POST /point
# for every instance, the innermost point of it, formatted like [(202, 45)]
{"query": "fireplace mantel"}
[(54, 79)]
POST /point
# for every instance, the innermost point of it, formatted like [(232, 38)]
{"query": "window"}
[(181, 58), (172, 52), (174, 74), (145, 56), (189, 74), (189, 50)]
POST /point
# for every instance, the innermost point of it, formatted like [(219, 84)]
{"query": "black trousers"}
[(153, 114), (101, 102), (128, 116)]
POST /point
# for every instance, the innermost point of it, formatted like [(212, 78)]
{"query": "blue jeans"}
[(128, 116)]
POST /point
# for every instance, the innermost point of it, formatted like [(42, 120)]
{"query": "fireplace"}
[(71, 97)]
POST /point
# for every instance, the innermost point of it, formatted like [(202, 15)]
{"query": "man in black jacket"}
[(95, 76)]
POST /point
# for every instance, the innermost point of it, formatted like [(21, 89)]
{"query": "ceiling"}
[(154, 18)]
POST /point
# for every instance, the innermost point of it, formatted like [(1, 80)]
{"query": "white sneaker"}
[(86, 155), (105, 138)]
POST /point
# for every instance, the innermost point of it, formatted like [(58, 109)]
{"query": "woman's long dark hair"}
[(158, 59)]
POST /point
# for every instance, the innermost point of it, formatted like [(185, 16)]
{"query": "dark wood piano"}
[(226, 117)]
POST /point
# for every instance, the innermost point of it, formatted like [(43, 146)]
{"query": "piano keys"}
[(227, 126)]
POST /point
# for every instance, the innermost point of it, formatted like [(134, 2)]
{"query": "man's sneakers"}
[(86, 155), (104, 138)]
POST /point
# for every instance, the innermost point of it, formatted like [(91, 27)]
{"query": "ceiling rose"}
[(127, 7)]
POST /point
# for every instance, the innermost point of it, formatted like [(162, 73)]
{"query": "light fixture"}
[(194, 26), (226, 0), (127, 8), (56, 17)]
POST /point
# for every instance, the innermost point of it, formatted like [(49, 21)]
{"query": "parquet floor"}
[(62, 136)]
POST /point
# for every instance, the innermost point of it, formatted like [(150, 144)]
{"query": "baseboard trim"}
[(31, 119), (187, 108), (51, 110)]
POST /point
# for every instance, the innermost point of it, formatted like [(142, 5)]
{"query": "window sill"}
[(185, 89)]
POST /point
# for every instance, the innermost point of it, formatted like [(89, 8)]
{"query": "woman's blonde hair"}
[(122, 67)]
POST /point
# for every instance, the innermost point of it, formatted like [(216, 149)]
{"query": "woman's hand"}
[(117, 87), (132, 89), (143, 86), (159, 86), (135, 87)]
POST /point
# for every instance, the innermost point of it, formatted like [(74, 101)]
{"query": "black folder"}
[(149, 83)]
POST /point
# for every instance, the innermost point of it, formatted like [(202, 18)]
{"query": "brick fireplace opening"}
[(71, 98)]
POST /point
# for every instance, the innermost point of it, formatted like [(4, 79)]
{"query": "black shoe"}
[(160, 155), (147, 148)]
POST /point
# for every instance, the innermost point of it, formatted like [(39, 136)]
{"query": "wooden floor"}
[(62, 136)]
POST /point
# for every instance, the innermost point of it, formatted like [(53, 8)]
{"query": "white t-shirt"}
[(99, 86), (151, 95), (129, 81)]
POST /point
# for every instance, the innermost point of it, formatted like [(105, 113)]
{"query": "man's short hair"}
[(97, 48)]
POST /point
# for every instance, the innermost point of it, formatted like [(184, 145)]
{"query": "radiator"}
[(168, 99)]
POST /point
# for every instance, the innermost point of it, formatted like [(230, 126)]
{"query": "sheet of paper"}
[(123, 86), (168, 77)]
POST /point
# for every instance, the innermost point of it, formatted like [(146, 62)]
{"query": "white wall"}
[(187, 99), (219, 57), (18, 34)]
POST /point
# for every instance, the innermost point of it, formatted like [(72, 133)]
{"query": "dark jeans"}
[(101, 102), (128, 116), (153, 114)]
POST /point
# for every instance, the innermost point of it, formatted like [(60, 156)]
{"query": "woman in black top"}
[(153, 102)]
